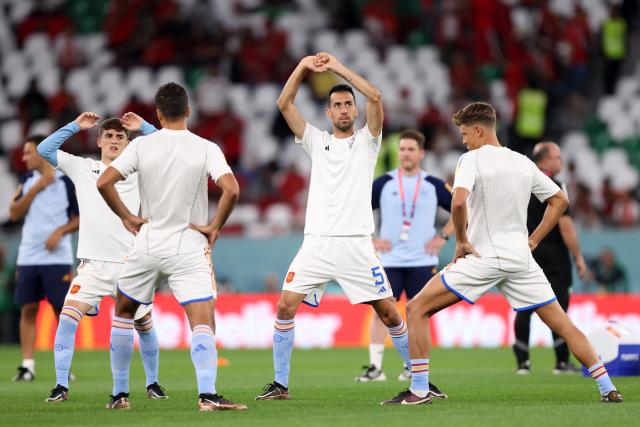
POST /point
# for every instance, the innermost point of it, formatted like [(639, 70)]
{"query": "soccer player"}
[(103, 243), (339, 223), (491, 192), (47, 201), (173, 167), (552, 255), (408, 199)]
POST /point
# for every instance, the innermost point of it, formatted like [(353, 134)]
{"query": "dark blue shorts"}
[(409, 280), (35, 282)]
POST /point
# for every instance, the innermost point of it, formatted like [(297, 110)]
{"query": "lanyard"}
[(415, 194)]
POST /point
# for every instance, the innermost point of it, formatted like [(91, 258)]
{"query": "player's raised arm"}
[(291, 114), (48, 148), (133, 122), (375, 114)]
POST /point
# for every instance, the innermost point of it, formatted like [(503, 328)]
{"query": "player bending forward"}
[(491, 193)]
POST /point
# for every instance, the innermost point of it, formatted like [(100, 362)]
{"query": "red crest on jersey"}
[(75, 289), (290, 276)]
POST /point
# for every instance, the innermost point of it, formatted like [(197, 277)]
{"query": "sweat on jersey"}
[(173, 168), (339, 202), (501, 182), (432, 192), (49, 210)]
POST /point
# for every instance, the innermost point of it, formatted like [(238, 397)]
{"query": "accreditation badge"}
[(404, 233)]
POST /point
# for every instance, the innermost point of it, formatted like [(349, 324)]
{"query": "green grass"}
[(482, 385)]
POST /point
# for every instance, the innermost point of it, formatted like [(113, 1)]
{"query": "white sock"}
[(376, 352), (30, 364)]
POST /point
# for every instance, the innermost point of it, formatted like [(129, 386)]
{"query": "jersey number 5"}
[(377, 274)]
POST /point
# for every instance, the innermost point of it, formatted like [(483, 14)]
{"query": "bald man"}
[(553, 257)]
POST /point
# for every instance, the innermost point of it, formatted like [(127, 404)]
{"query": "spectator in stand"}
[(607, 273), (32, 106), (626, 211)]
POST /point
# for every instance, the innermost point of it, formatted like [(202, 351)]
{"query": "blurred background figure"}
[(607, 273)]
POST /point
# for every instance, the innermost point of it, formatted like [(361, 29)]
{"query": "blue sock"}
[(420, 377), (121, 350), (205, 358), (149, 349), (400, 337), (283, 337), (599, 373), (65, 343)]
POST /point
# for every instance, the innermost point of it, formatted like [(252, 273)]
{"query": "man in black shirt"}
[(553, 257)]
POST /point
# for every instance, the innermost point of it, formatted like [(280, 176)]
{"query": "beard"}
[(344, 127)]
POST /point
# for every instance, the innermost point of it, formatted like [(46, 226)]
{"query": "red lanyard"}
[(415, 194)]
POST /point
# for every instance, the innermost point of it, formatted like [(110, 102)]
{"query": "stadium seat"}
[(10, 134), (279, 218)]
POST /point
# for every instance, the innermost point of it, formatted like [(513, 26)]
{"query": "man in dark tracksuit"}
[(553, 257)]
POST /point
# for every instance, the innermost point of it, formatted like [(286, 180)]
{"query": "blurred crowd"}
[(544, 65)]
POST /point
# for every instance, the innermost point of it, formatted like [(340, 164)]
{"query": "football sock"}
[(420, 377), (149, 349), (64, 343), (283, 336), (599, 373), (30, 364), (376, 353), (400, 337), (121, 351), (204, 356)]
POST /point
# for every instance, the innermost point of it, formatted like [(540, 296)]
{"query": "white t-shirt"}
[(501, 182), (102, 235), (173, 167), (342, 170)]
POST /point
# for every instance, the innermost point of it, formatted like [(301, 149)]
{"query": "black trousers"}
[(561, 284)]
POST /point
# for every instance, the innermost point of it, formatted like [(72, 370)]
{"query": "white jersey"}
[(342, 170), (173, 167), (501, 182), (102, 234)]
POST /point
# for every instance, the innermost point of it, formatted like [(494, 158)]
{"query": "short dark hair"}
[(172, 101), (340, 88), (35, 139), (417, 136), (476, 112), (113, 124)]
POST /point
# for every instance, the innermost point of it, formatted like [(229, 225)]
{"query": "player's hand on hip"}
[(533, 244), (87, 120), (463, 249), (209, 232), (434, 246), (381, 245), (133, 223), (131, 121), (54, 239)]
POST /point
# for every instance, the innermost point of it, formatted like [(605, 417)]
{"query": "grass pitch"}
[(482, 386)]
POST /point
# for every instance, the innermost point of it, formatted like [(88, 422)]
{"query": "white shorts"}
[(190, 276), (350, 261), (96, 280), (470, 277)]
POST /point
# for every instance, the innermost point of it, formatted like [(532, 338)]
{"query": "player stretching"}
[(102, 246), (339, 223), (491, 193), (173, 167)]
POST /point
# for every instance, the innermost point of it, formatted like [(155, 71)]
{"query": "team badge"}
[(290, 276), (74, 289)]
